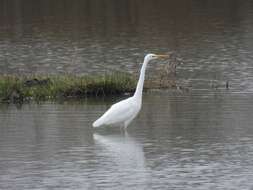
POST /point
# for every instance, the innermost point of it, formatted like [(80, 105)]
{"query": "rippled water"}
[(214, 38), (201, 140)]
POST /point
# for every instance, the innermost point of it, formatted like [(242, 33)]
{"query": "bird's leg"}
[(126, 134), (125, 127), (121, 128)]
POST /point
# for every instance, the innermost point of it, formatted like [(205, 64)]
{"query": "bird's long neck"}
[(139, 88)]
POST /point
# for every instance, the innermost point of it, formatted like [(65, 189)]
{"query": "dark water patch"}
[(213, 38)]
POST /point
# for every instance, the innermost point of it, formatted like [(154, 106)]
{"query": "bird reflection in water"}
[(127, 157)]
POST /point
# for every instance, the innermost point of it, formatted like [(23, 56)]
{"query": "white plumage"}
[(123, 112)]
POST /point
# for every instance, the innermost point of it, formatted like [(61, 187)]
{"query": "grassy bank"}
[(38, 88)]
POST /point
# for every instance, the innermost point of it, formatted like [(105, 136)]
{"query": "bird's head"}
[(152, 56)]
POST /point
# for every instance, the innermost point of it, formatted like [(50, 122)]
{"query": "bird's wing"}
[(117, 113)]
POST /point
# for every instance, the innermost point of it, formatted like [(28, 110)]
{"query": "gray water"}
[(214, 38), (196, 139), (178, 141)]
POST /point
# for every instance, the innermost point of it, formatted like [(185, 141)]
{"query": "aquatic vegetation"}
[(19, 89), (14, 88)]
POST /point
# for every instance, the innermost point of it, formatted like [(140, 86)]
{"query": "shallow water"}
[(196, 139), (201, 140), (214, 38)]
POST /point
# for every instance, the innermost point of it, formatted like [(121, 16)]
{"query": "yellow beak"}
[(162, 56)]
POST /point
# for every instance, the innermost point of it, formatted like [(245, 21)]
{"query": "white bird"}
[(123, 112)]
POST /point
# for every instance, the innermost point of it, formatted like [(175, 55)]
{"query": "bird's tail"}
[(97, 123), (101, 121)]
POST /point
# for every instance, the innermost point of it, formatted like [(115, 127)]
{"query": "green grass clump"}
[(19, 89)]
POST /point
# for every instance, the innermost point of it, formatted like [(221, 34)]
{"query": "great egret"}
[(123, 112)]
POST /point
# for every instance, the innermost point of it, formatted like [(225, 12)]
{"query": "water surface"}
[(214, 38), (201, 140)]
